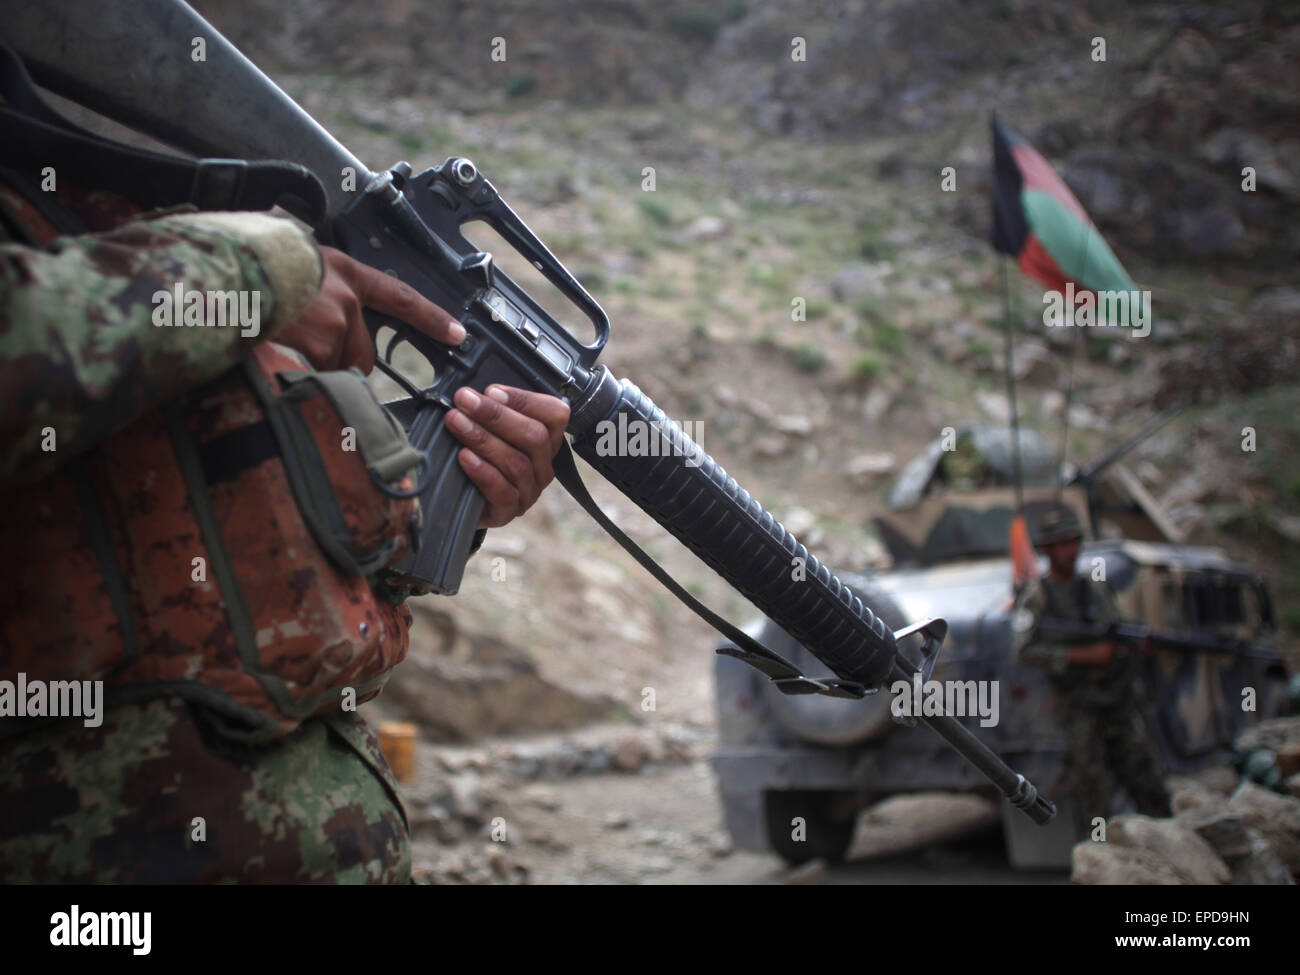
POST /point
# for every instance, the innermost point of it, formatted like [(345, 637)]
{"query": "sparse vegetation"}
[(872, 310), (661, 288), (704, 23), (980, 349), (518, 85), (818, 308), (656, 209), (864, 369), (696, 23), (412, 142), (808, 357), (872, 248), (888, 337)]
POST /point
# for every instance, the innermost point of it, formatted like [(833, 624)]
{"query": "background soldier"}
[(965, 467), (1096, 685)]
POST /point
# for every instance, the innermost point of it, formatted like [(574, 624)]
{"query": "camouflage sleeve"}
[(85, 346), (1030, 651)]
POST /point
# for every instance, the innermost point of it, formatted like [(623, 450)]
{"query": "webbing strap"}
[(191, 466), (384, 447), (35, 135), (785, 675), (309, 479), (101, 544), (241, 621)]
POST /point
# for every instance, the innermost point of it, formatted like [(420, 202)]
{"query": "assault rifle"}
[(1135, 634), (409, 224)]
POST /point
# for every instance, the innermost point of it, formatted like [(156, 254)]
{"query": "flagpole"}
[(1011, 390), (1024, 565), (1065, 409)]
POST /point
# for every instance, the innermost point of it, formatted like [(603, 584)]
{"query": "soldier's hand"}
[(331, 332), (510, 437)]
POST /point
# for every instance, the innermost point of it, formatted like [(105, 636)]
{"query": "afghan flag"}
[(1038, 221)]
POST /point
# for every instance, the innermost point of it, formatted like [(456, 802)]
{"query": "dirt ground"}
[(613, 804)]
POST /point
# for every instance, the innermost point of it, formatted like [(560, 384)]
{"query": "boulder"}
[(465, 797), (1261, 865), (460, 686), (629, 754), (794, 423), (770, 445), (1191, 857), (877, 403), (1209, 230), (1034, 365), (1142, 850), (1220, 780), (1279, 735), (705, 228), (1277, 818), (1274, 162), (1277, 309), (811, 873), (1247, 852), (1190, 55), (865, 468), (993, 405), (1222, 828), (1099, 864), (799, 521), (1196, 797), (855, 282)]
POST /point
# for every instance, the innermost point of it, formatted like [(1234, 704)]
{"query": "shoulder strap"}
[(33, 134)]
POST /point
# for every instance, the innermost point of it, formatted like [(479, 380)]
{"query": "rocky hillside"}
[(796, 151)]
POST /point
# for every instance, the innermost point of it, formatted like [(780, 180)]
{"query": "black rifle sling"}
[(34, 134), (771, 664)]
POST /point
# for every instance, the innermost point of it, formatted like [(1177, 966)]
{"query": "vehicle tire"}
[(829, 818), (830, 720)]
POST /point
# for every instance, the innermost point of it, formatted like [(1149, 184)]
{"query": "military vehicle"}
[(823, 759)]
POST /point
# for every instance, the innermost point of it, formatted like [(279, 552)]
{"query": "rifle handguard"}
[(688, 493)]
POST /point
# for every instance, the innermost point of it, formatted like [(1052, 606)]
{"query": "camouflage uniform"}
[(122, 802), (1099, 708)]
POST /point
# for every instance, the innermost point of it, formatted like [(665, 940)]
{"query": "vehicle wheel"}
[(827, 828)]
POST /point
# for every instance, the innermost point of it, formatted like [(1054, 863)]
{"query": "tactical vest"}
[(1083, 605), (1084, 608), (227, 547)]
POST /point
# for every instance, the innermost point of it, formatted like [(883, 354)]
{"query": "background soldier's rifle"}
[(1135, 634)]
